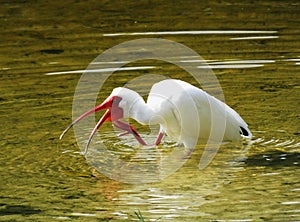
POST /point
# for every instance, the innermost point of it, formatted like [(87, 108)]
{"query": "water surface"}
[(252, 48)]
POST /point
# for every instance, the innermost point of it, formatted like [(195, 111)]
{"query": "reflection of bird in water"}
[(184, 112)]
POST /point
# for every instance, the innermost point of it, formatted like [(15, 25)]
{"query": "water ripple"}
[(101, 70), (192, 32), (277, 143), (255, 37)]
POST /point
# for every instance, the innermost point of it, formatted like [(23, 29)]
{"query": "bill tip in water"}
[(61, 136), (64, 132)]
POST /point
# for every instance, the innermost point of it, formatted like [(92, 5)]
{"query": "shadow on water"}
[(275, 159), (18, 210)]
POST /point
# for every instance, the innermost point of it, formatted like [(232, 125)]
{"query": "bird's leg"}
[(159, 138), (124, 133), (123, 126), (129, 129)]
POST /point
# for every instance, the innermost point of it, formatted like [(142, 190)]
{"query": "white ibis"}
[(183, 111)]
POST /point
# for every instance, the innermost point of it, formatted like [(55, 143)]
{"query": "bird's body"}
[(190, 112), (183, 111)]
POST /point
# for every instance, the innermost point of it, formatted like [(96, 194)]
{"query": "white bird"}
[(183, 111)]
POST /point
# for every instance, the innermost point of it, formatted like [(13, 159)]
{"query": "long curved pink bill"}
[(106, 116), (95, 109)]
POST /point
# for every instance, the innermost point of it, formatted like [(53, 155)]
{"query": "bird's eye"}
[(115, 101)]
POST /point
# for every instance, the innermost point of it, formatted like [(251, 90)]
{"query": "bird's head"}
[(118, 105)]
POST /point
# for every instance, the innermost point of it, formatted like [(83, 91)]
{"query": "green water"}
[(45, 179)]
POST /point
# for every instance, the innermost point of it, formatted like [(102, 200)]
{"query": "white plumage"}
[(183, 111)]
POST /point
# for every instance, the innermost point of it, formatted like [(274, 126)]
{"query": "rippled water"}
[(252, 48)]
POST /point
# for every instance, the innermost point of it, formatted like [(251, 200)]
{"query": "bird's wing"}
[(211, 114), (216, 110), (234, 125)]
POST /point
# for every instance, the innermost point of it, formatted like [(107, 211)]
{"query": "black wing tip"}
[(244, 131)]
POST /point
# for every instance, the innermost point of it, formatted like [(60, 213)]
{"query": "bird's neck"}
[(142, 113)]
